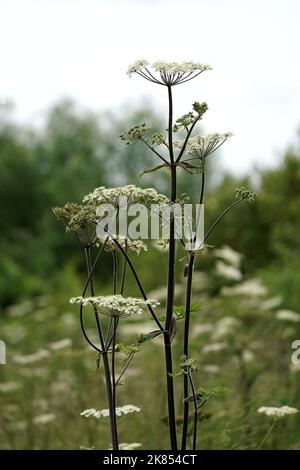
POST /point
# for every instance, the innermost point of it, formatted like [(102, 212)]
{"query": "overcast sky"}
[(81, 48)]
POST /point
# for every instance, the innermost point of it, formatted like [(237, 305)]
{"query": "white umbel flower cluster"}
[(200, 147), (228, 272), (128, 446), (229, 255), (84, 218), (225, 327), (137, 66), (134, 194), (44, 419), (116, 305), (167, 73), (213, 347), (180, 68), (61, 344), (136, 246), (8, 387), (120, 411), (270, 303), (25, 359), (277, 412), (250, 288), (287, 315)]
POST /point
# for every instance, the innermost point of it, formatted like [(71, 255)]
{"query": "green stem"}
[(220, 218), (125, 368), (267, 435)]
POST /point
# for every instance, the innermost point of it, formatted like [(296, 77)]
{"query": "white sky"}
[(81, 48)]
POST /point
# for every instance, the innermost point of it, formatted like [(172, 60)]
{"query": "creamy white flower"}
[(251, 288), (44, 419), (120, 411), (229, 255), (60, 388), (14, 333), (175, 67), (211, 368), (276, 412), (126, 409), (127, 446), (213, 347), (201, 329), (134, 194), (61, 344), (229, 272), (287, 315), (247, 355), (132, 446), (225, 327), (88, 412), (200, 147), (116, 305), (126, 243), (18, 310), (8, 387), (167, 73), (200, 281), (36, 372), (161, 292), (271, 303), (137, 66), (31, 358)]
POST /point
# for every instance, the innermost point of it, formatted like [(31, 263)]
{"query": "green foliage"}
[(203, 395), (179, 311), (187, 365), (188, 119)]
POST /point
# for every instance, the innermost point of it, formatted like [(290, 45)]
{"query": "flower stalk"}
[(189, 155)]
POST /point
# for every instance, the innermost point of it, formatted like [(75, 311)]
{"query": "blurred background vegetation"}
[(41, 267)]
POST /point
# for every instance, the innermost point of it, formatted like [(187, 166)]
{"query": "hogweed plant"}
[(93, 222)]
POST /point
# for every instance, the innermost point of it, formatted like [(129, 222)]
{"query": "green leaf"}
[(155, 168), (195, 308), (179, 310), (142, 338), (128, 349), (203, 395)]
